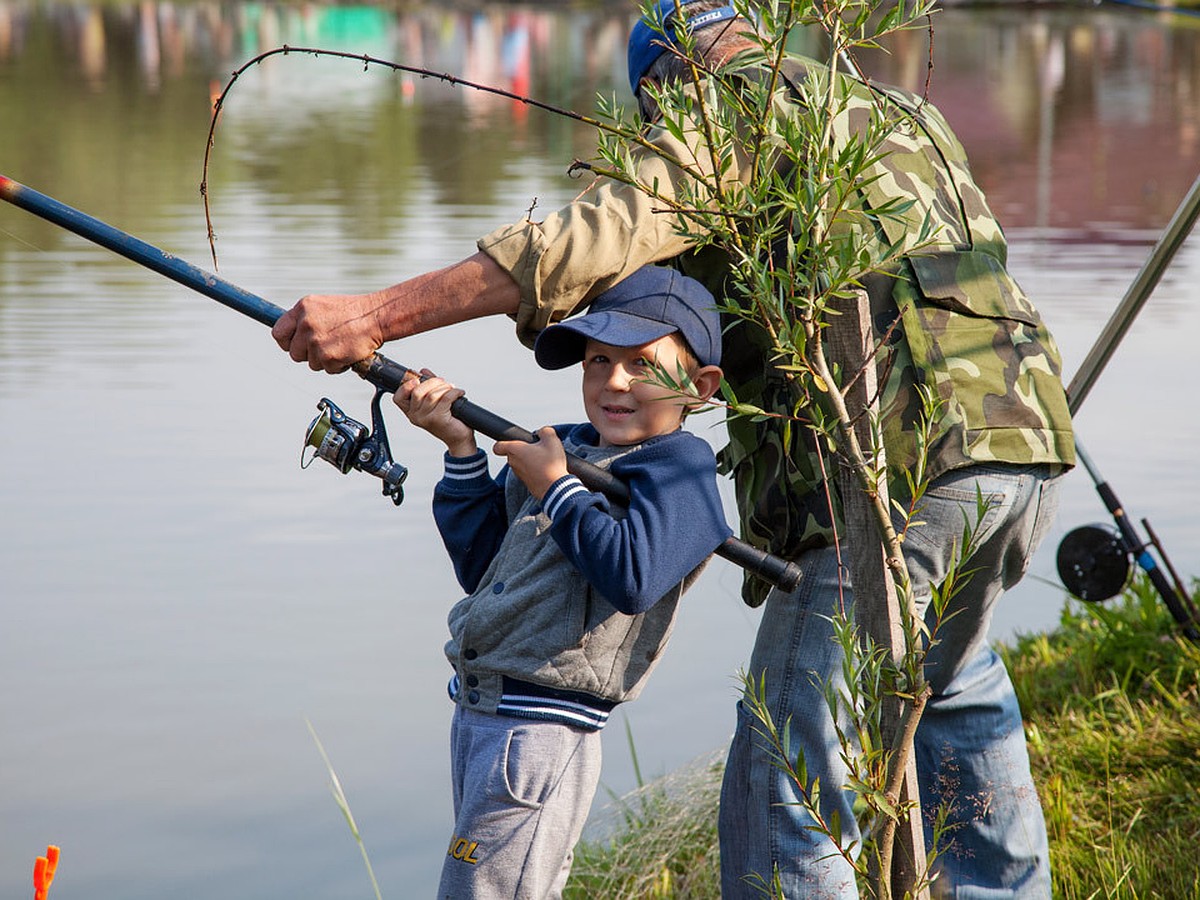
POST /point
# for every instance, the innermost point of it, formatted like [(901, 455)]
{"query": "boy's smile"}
[(622, 406)]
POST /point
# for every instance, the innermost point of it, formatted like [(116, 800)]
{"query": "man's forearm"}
[(333, 332), (469, 289)]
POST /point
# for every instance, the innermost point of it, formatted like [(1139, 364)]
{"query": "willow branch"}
[(769, 99), (902, 748)]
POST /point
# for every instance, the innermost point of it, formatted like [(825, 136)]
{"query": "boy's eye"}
[(597, 358)]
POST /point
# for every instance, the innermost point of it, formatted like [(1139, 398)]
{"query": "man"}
[(965, 332)]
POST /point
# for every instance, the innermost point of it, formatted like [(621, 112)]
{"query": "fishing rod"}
[(334, 436), (1094, 561), (1135, 297)]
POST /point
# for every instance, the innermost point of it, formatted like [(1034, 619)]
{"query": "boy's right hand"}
[(426, 401), (539, 464)]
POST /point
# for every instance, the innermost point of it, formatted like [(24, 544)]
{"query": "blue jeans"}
[(970, 746)]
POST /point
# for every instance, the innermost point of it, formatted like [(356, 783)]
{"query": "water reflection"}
[(1046, 97), (178, 595), (1076, 123), (499, 46)]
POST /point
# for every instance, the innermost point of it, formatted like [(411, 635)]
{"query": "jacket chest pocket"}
[(968, 325)]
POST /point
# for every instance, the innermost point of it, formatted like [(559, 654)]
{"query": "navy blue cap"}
[(650, 304), (647, 43)]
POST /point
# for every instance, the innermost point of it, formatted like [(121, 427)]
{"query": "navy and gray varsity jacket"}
[(571, 601)]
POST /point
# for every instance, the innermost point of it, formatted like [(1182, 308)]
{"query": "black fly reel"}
[(1093, 562), (347, 444)]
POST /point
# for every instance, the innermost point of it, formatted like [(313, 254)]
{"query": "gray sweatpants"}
[(522, 792)]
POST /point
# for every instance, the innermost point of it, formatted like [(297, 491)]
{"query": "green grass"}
[(660, 841), (1112, 705), (1113, 717)]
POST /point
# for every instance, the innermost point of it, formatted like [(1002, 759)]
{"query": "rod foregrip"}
[(489, 424), (381, 371), (499, 429)]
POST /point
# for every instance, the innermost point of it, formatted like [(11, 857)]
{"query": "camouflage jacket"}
[(966, 330)]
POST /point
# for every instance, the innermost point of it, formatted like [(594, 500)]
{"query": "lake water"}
[(178, 596)]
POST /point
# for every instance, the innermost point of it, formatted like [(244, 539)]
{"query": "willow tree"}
[(785, 177)]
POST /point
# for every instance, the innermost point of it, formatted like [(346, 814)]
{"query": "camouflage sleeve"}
[(576, 253)]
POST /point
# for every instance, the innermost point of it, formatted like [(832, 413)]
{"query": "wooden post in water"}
[(851, 343)]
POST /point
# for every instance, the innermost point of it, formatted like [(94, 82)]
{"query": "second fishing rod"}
[(334, 436)]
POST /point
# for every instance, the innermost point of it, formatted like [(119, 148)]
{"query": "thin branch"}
[(367, 60)]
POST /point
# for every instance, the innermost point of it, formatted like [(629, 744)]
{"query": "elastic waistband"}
[(526, 700)]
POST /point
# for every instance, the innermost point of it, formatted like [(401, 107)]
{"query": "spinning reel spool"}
[(348, 444)]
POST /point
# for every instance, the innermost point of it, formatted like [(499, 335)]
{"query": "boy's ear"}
[(707, 381)]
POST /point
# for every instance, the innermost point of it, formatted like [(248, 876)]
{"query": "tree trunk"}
[(850, 341)]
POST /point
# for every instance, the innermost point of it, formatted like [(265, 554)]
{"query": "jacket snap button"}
[(472, 681), (473, 697), (470, 654), (498, 587)]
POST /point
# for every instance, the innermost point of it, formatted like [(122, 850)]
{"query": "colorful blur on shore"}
[(178, 595)]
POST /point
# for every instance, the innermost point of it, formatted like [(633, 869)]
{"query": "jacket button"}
[(498, 587), (473, 697), (470, 654), (472, 681)]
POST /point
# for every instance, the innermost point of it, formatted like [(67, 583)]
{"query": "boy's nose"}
[(619, 378)]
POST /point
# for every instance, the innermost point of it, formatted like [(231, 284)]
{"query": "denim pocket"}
[(1047, 511), (957, 503)]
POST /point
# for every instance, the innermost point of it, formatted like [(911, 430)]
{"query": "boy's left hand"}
[(537, 465)]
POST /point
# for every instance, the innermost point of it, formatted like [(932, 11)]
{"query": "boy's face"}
[(622, 406)]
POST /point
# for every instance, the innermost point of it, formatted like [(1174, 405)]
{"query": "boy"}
[(572, 599)]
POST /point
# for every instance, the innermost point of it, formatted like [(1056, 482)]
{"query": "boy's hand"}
[(427, 403), (537, 465)]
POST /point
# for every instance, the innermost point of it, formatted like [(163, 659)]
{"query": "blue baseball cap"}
[(647, 43), (650, 304)]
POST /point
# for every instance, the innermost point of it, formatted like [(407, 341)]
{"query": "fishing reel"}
[(1093, 562), (346, 444)]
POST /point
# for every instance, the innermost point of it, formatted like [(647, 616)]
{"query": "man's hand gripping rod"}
[(377, 369)]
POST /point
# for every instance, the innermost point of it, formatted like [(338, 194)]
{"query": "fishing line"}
[(21, 240), (367, 60)]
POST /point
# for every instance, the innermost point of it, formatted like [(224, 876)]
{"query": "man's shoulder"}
[(796, 66)]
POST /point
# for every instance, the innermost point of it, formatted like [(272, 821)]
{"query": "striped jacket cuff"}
[(560, 493), (466, 468)]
